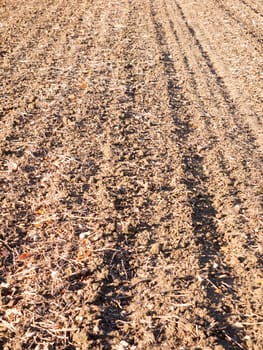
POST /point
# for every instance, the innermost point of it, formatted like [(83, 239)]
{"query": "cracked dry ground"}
[(131, 175)]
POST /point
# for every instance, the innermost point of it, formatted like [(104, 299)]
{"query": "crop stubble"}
[(131, 175)]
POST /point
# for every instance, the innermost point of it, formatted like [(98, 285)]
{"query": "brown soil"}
[(131, 175)]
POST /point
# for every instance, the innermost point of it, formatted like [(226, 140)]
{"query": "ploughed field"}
[(131, 175)]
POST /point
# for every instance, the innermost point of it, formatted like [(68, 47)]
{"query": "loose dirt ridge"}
[(131, 174)]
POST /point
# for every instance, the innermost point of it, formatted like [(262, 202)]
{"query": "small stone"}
[(219, 347), (123, 345), (239, 325), (54, 275), (12, 166), (237, 209), (71, 97), (155, 248), (84, 235)]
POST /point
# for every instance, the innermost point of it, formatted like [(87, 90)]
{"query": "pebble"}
[(155, 248), (123, 345)]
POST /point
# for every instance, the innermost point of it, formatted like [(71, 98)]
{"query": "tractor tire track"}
[(249, 24), (139, 223), (257, 11), (203, 217), (222, 160), (228, 63)]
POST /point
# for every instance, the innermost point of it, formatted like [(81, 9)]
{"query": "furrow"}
[(248, 24), (131, 175), (258, 11), (234, 68), (204, 227), (238, 186), (139, 192)]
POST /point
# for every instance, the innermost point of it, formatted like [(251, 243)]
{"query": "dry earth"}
[(131, 174)]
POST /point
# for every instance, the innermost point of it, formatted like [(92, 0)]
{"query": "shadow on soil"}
[(113, 296), (218, 80), (116, 291), (218, 275)]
